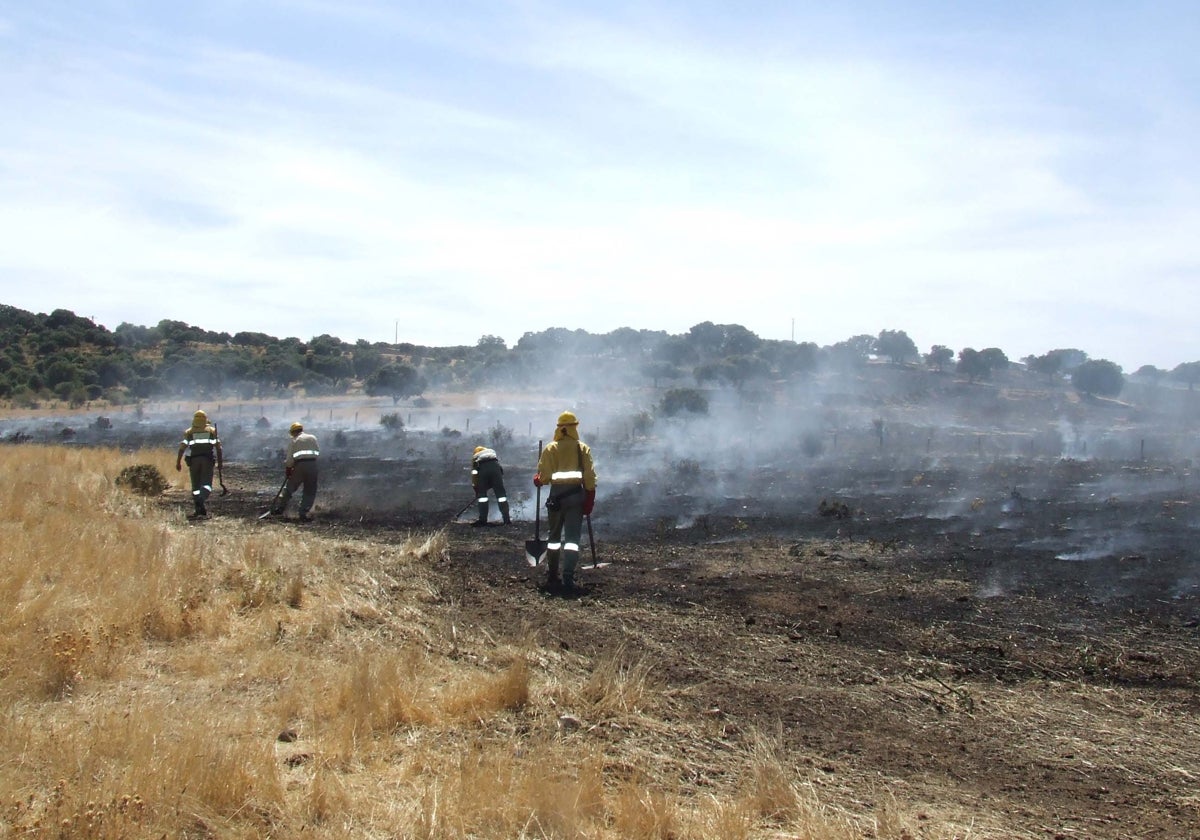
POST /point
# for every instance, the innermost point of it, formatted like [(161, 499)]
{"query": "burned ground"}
[(983, 606), (1015, 638)]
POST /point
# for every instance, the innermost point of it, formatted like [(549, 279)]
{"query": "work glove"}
[(589, 502), (475, 487), (288, 471), (178, 467), (537, 480)]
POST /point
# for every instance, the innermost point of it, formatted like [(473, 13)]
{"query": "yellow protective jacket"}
[(199, 441), (567, 462)]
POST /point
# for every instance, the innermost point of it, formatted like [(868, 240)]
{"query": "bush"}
[(143, 479), (500, 436), (393, 422), (680, 400)]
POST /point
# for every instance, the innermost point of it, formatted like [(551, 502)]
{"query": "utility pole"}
[(793, 331)]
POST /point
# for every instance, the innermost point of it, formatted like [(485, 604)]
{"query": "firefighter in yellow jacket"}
[(201, 449), (566, 466)]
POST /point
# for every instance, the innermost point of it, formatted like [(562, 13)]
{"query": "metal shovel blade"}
[(535, 550), (278, 493)]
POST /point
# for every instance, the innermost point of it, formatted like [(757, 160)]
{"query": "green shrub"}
[(683, 400)]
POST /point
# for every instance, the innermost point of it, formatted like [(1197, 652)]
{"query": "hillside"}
[(61, 360)]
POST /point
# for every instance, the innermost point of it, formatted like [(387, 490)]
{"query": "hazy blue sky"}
[(1021, 175)]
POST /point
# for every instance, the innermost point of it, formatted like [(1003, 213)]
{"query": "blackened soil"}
[(1021, 645)]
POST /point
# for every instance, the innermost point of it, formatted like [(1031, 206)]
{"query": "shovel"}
[(535, 549), (464, 510), (278, 493), (221, 470), (592, 542)]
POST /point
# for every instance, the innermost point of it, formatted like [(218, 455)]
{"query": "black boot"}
[(553, 582)]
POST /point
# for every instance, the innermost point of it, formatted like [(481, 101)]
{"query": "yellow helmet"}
[(567, 419), (199, 417), (478, 449), (295, 428)]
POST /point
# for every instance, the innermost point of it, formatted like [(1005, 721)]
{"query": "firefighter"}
[(201, 449), (566, 466), (488, 474), (300, 469)]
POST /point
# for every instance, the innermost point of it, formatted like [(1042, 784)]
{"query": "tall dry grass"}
[(222, 680)]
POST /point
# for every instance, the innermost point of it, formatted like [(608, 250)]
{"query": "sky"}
[(994, 173)]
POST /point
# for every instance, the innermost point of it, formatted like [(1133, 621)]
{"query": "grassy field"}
[(167, 679)]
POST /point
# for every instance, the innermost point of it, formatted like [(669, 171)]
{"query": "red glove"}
[(589, 502), (537, 480), (287, 471)]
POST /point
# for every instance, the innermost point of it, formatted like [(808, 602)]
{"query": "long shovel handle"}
[(278, 493), (464, 510), (537, 509), (221, 471), (537, 515), (591, 538)]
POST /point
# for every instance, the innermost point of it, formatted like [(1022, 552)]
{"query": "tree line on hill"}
[(63, 356)]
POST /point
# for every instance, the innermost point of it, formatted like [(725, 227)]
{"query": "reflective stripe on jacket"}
[(200, 441), (567, 462), (303, 447)]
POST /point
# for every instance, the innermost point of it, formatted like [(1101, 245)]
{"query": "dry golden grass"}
[(165, 679)]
